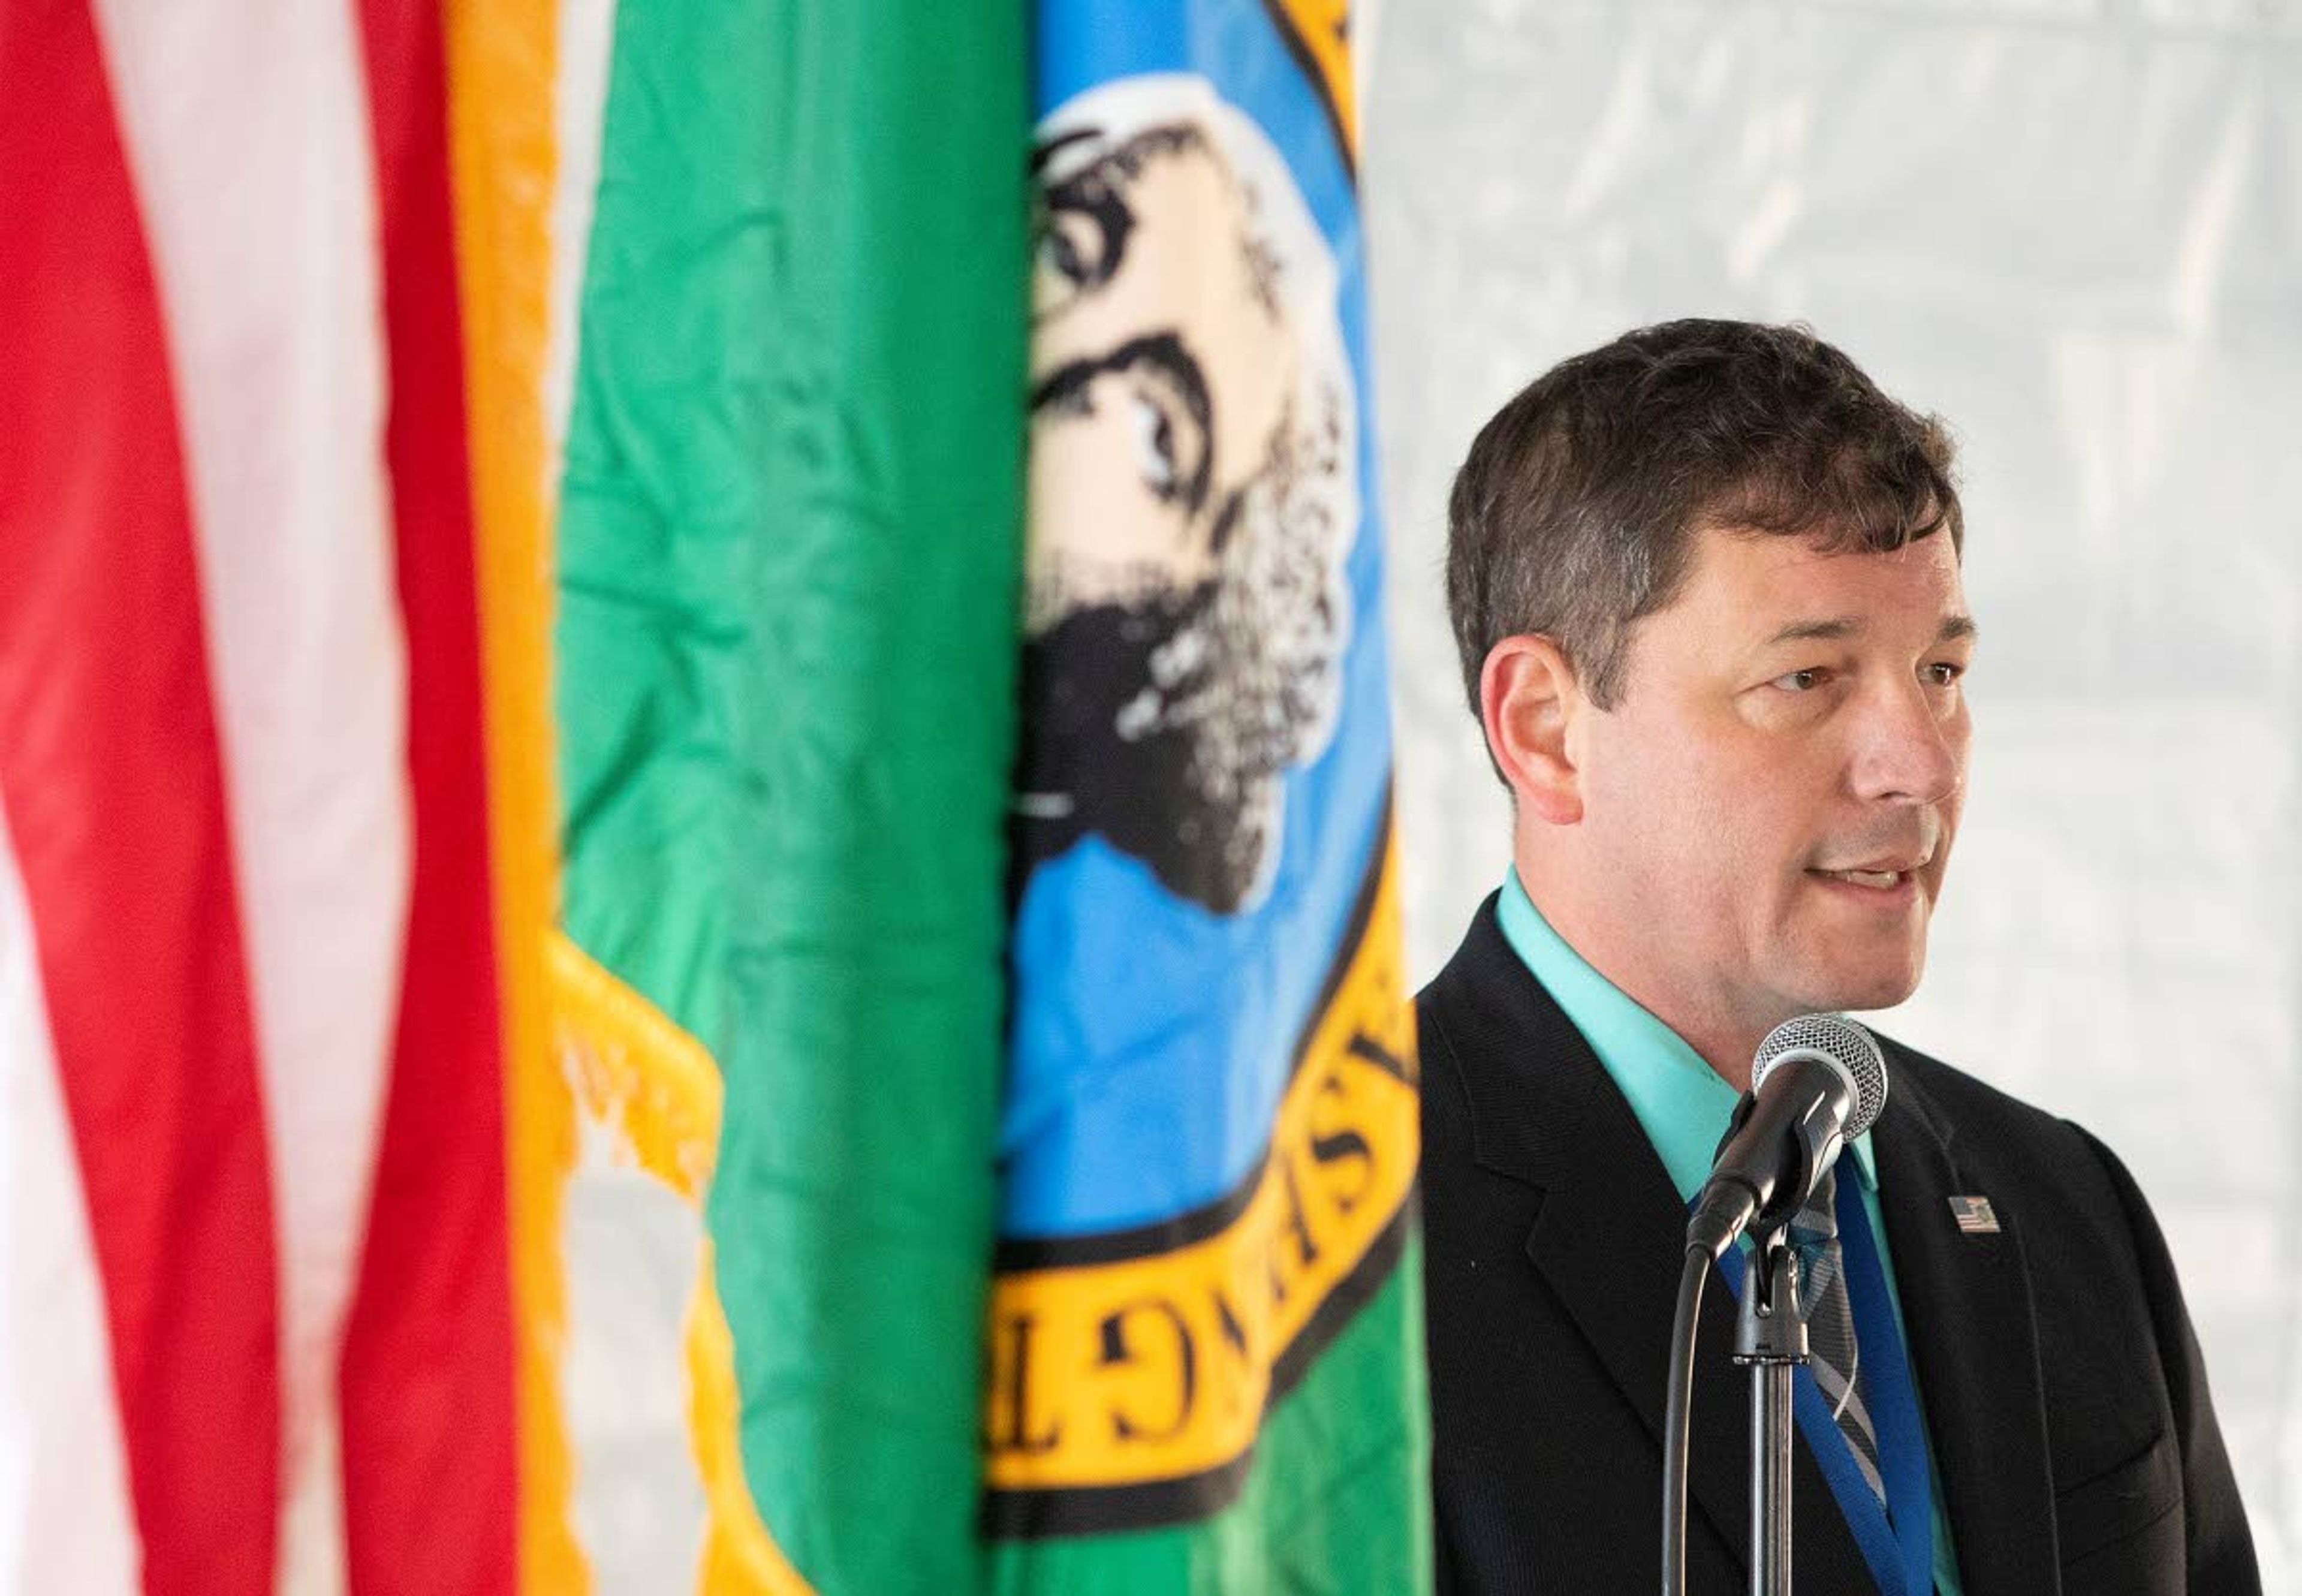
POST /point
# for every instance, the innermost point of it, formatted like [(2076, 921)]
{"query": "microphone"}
[(1819, 1081)]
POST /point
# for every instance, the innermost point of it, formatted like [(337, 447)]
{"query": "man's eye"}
[(1075, 246), (1155, 446), (1070, 247), (1802, 681), (1944, 673), (1059, 248)]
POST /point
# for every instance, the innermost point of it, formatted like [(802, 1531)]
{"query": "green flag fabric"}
[(788, 565)]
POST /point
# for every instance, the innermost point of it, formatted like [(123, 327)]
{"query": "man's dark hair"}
[(1575, 512)]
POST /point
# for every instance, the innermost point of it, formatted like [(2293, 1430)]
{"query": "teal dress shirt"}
[(1682, 1105)]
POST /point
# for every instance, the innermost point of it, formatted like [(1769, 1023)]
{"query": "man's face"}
[(1162, 367), (1777, 786), (1192, 489)]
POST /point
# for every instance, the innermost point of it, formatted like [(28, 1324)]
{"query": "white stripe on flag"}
[(66, 1523), (246, 132)]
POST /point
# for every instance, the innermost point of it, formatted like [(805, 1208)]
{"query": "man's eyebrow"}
[(1838, 628), (1831, 630)]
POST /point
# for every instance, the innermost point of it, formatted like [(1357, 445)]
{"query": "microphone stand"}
[(1770, 1340)]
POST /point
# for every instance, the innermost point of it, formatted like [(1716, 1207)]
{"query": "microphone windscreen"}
[(1839, 1040)]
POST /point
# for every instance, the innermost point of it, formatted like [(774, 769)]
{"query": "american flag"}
[(1975, 1215)]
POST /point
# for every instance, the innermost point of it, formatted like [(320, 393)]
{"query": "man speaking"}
[(1705, 585)]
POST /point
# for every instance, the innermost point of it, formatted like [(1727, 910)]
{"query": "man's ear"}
[(1529, 698)]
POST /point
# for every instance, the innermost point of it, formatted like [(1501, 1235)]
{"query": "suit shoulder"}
[(2001, 1144), (2070, 1183), (1976, 1110), (1454, 1013)]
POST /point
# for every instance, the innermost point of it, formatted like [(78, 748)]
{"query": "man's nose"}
[(1911, 748)]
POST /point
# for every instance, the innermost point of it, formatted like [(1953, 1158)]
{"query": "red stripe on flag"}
[(431, 1469), (115, 787)]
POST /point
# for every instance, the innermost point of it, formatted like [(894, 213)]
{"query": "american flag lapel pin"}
[(1975, 1215)]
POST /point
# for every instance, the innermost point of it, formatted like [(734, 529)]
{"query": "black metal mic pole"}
[(1817, 1080), (1770, 1340)]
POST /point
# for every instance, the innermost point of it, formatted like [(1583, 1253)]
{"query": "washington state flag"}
[(1205, 1345), (976, 882)]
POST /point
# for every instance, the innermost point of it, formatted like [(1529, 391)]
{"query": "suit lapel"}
[(1974, 1344), (1608, 1237), (1606, 1241)]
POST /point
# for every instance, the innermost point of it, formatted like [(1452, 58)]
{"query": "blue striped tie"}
[(1833, 1359)]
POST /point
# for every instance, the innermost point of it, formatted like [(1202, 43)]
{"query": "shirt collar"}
[(1680, 1101)]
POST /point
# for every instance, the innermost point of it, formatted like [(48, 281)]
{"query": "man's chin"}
[(1876, 983)]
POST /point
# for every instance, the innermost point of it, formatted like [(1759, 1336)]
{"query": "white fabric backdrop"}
[(2074, 228)]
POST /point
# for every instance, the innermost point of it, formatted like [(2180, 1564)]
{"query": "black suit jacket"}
[(2061, 1384)]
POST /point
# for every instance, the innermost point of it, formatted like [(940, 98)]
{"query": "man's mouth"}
[(1880, 874), (1885, 858)]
